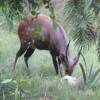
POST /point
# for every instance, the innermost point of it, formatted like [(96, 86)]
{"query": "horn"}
[(67, 46), (76, 59), (67, 52)]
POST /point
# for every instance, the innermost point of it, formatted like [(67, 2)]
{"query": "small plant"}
[(90, 75), (13, 89)]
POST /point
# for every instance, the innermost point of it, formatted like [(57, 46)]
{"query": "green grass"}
[(42, 79)]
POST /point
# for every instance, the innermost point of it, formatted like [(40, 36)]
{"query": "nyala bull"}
[(53, 40)]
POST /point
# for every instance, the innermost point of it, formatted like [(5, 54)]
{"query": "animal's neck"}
[(65, 43)]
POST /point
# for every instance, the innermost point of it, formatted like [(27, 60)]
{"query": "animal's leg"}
[(59, 66), (37, 43), (27, 55), (55, 63), (19, 53)]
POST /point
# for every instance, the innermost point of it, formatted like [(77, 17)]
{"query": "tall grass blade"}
[(95, 74), (90, 72), (84, 61), (83, 72), (96, 82)]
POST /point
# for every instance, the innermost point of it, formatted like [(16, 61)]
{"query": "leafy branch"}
[(81, 19)]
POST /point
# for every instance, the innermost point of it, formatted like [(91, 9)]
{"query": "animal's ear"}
[(76, 59)]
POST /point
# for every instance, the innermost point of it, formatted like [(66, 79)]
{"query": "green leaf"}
[(54, 25), (6, 81), (17, 94), (37, 32), (22, 84)]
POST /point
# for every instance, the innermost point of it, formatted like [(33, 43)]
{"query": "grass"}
[(42, 80)]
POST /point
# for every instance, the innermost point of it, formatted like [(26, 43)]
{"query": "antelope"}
[(53, 40)]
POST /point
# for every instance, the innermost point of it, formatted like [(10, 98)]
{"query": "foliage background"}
[(81, 20)]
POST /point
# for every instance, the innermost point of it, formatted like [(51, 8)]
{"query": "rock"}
[(73, 81)]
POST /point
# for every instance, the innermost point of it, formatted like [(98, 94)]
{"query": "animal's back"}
[(59, 39), (55, 37)]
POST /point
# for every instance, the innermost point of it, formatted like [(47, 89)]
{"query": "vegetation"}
[(90, 75), (82, 16), (82, 19)]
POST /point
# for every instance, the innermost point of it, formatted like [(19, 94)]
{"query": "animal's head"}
[(69, 62)]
